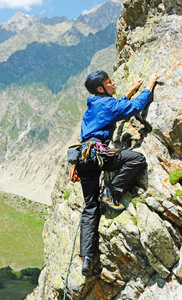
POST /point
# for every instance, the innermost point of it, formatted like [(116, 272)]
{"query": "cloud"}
[(85, 12), (42, 12), (24, 4)]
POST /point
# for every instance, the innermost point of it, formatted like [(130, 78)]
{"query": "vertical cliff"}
[(140, 248)]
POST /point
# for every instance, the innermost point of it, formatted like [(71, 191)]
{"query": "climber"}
[(98, 125)]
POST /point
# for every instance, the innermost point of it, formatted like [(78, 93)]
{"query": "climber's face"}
[(109, 86)]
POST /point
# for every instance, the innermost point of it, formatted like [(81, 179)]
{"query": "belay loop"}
[(73, 174)]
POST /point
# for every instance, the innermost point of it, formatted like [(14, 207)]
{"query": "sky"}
[(50, 8)]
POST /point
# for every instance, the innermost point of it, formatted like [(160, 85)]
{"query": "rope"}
[(86, 151), (72, 251)]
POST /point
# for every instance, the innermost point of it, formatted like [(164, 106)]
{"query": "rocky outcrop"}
[(140, 248), (99, 16), (14, 25)]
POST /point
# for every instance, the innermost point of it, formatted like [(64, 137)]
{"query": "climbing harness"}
[(99, 150), (72, 252), (91, 148)]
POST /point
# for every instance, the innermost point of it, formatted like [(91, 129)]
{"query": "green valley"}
[(22, 222)]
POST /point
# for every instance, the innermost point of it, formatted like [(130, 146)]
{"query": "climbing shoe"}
[(87, 266), (107, 199)]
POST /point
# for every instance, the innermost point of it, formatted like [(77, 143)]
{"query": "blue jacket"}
[(103, 112)]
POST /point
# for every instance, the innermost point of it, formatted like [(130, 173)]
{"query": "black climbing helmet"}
[(94, 80)]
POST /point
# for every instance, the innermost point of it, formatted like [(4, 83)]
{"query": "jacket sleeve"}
[(123, 108)]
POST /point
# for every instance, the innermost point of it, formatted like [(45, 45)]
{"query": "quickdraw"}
[(104, 149), (73, 174)]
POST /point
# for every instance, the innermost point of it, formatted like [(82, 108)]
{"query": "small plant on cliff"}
[(178, 193), (175, 176), (66, 194), (137, 199), (134, 219), (152, 133)]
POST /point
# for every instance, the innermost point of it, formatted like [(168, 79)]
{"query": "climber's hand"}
[(151, 81), (134, 88), (137, 84)]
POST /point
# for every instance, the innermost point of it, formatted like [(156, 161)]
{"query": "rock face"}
[(140, 248)]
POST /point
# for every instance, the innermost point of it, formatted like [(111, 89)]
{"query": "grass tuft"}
[(175, 176), (178, 193)]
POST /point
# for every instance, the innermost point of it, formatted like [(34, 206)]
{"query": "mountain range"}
[(43, 64)]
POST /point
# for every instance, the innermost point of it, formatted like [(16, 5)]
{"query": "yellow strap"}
[(100, 159), (74, 145), (85, 152)]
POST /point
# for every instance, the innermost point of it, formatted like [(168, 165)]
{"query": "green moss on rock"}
[(66, 194), (178, 193), (175, 176)]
